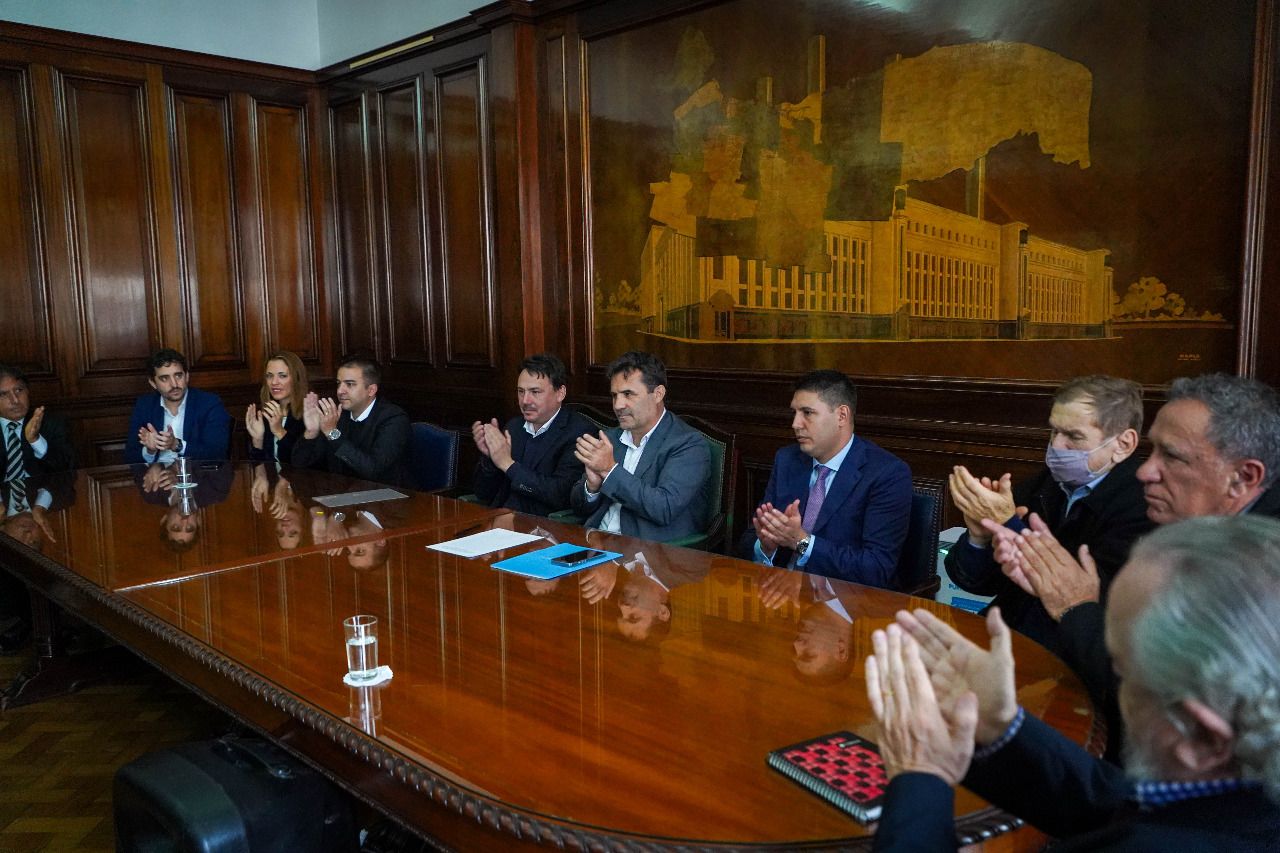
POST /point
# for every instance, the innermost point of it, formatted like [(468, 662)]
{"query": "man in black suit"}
[(1086, 494), (35, 443), (530, 467), (359, 435), (1191, 627)]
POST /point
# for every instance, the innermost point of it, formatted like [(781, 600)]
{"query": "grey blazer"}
[(667, 496)]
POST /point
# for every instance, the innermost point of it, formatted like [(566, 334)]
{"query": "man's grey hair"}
[(1212, 632), (1244, 417)]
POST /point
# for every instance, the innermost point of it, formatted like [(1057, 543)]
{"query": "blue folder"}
[(537, 564)]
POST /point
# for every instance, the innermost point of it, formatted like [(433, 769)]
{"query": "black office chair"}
[(433, 457), (918, 564)]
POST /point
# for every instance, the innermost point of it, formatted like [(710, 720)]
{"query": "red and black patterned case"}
[(842, 768)]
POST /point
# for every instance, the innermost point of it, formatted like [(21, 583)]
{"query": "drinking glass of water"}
[(362, 647)]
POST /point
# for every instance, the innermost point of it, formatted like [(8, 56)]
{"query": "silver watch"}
[(803, 545), (333, 434)]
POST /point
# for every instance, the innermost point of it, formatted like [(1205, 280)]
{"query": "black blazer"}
[(59, 456), (376, 448), (1109, 520), (545, 468), (293, 430)]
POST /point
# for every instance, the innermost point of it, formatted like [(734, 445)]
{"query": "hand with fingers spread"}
[(915, 736), (981, 498), (957, 666), (1054, 576)]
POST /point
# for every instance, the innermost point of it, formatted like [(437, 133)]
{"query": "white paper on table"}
[(487, 542), (368, 496)]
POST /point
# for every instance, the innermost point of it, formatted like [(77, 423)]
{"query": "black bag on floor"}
[(231, 795)]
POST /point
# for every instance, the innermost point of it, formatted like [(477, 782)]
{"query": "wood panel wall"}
[(151, 198), (429, 207)]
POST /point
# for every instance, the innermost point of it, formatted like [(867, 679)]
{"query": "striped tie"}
[(15, 473)]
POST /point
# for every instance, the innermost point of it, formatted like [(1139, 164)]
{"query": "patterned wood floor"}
[(57, 757)]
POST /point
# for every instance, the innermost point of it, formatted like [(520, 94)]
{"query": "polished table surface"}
[(525, 708)]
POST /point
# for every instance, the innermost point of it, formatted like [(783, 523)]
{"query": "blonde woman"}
[(275, 423)]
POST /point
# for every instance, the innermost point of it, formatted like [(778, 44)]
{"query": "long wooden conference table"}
[(629, 709)]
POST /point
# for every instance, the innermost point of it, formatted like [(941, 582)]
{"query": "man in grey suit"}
[(649, 477)]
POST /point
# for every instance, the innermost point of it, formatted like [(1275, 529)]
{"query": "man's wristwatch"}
[(333, 434), (178, 445), (803, 545)]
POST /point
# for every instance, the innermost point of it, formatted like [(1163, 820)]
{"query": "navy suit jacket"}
[(666, 498), (1060, 789), (545, 468), (206, 426), (864, 517)]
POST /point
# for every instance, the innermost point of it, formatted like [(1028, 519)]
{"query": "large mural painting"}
[(971, 189)]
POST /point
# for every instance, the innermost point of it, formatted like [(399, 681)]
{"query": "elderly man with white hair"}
[(1193, 628)]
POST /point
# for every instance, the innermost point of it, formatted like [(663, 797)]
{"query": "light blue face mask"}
[(1071, 467)]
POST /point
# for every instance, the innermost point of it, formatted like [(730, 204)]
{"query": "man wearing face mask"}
[(1087, 494)]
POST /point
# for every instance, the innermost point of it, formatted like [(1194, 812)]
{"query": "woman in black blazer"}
[(275, 424)]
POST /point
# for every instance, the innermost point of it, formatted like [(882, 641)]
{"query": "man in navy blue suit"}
[(530, 466), (176, 420), (836, 504), (1191, 627)]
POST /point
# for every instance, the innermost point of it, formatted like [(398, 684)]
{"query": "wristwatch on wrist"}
[(333, 434), (803, 545), (178, 445)]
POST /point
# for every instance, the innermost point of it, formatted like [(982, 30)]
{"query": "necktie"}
[(14, 472), (817, 494)]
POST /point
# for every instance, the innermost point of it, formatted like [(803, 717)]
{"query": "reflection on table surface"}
[(640, 696), (127, 525)]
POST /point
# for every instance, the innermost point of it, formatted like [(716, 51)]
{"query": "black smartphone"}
[(574, 558)]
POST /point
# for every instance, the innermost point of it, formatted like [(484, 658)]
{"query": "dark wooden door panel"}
[(465, 217), (405, 236), (24, 297), (286, 216), (213, 290), (352, 208), (113, 229)]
